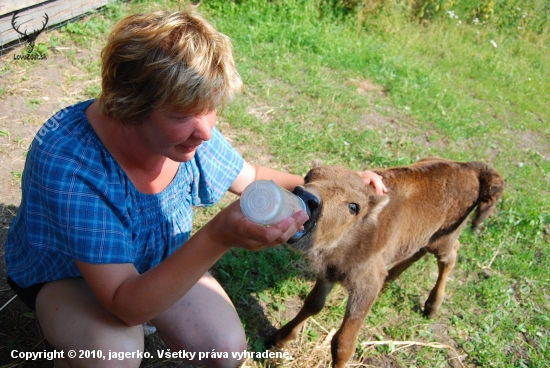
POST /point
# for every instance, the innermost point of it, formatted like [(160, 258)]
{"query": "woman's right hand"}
[(230, 228)]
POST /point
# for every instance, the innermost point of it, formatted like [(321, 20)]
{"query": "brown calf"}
[(354, 235)]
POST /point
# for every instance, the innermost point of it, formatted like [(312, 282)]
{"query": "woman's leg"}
[(203, 320), (72, 318)]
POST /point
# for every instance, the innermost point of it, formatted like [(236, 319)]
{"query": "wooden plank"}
[(8, 6), (32, 19)]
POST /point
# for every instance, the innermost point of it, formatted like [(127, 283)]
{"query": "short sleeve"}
[(74, 207), (215, 167)]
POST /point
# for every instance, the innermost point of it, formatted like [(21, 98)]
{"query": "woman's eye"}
[(353, 208), (180, 117)]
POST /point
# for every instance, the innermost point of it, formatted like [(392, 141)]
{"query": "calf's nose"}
[(313, 206), (311, 201)]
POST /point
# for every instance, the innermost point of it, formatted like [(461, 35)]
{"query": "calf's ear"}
[(376, 204), (375, 199), (317, 163)]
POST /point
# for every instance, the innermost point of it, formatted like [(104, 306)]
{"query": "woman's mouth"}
[(187, 149)]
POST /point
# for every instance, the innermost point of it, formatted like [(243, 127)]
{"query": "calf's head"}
[(340, 205)]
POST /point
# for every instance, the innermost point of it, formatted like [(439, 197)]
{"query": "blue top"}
[(78, 203)]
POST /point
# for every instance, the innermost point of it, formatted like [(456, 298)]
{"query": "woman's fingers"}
[(232, 229), (371, 178)]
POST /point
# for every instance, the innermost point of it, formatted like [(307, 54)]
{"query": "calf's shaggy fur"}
[(363, 240)]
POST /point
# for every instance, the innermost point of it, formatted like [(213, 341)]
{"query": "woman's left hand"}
[(230, 228), (371, 178)]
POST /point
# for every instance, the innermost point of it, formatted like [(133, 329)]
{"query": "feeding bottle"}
[(266, 203)]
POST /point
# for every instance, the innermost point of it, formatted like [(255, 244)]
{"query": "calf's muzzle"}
[(312, 200)]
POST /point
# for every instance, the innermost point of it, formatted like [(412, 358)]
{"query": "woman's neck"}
[(149, 172)]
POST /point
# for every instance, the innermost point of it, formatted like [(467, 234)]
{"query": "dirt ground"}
[(29, 93)]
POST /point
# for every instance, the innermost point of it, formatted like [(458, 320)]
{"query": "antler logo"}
[(29, 38)]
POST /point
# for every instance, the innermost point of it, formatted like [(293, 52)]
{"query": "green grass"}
[(445, 86), (437, 89), (17, 175)]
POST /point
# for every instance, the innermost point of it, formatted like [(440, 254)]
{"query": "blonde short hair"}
[(176, 59)]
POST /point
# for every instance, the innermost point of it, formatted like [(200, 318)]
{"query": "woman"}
[(101, 242)]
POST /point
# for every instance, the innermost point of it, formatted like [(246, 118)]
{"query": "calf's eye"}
[(353, 208)]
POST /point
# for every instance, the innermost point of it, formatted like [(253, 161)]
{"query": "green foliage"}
[(428, 9), (512, 15), (93, 91), (113, 11), (39, 49), (470, 10), (96, 25), (451, 87), (528, 15), (17, 175)]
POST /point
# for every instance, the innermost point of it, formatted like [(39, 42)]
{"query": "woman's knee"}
[(205, 322), (120, 338), (231, 351), (219, 347), (73, 319), (107, 347), (228, 342), (226, 353)]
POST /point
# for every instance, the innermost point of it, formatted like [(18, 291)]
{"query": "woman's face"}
[(175, 134)]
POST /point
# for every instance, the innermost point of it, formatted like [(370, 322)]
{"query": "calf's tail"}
[(491, 186)]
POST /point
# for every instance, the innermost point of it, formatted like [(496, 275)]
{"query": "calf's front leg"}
[(314, 303), (361, 299)]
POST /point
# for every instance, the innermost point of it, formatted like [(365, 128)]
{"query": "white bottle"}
[(266, 203)]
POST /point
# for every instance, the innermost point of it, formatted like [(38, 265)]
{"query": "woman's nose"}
[(204, 125)]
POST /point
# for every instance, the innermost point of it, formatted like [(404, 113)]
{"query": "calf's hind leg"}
[(445, 264), (399, 268), (314, 303)]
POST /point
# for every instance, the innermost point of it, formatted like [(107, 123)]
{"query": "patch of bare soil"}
[(30, 92), (384, 361)]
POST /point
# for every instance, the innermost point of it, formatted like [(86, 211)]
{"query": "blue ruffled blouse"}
[(78, 203)]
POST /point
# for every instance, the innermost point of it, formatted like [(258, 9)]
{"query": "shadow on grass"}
[(249, 277)]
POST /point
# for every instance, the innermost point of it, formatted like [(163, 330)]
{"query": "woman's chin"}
[(183, 153)]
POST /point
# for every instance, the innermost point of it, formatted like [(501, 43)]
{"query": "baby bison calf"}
[(353, 235)]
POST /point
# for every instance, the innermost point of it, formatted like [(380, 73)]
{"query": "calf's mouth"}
[(312, 200)]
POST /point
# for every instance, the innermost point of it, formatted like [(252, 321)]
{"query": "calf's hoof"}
[(278, 339), (430, 311)]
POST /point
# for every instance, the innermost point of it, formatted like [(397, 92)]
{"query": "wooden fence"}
[(31, 16)]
